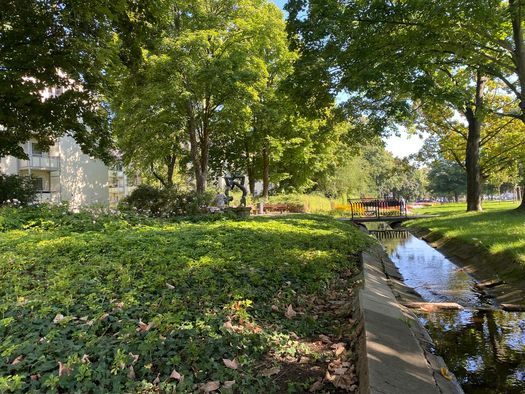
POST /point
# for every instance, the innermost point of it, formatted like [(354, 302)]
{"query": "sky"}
[(400, 146)]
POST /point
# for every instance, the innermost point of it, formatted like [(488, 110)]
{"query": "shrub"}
[(16, 190), (166, 202)]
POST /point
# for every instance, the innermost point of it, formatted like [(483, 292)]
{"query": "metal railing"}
[(376, 208), (48, 196), (41, 162)]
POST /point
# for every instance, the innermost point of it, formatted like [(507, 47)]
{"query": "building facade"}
[(63, 173)]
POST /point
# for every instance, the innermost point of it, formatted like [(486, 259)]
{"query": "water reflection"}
[(435, 277), (485, 350)]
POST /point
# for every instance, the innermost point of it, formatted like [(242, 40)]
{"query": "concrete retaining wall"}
[(393, 355)]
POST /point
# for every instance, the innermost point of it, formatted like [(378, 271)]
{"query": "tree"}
[(394, 55), (215, 59), (149, 127), (447, 178), (65, 45)]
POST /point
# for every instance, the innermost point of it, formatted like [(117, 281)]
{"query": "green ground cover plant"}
[(92, 302), (500, 228)]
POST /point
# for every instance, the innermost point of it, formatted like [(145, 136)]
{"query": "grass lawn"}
[(96, 303), (500, 228)]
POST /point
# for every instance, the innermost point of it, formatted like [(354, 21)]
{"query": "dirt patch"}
[(481, 264)]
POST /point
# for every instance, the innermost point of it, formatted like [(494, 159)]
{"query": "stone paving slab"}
[(392, 359)]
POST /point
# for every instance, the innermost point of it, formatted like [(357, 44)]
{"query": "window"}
[(37, 150), (39, 183)]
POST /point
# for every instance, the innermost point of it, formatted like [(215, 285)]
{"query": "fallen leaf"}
[(175, 375), (143, 327), (230, 327), (17, 360), (233, 364), (275, 308), (131, 372), (339, 348), (135, 358), (35, 377), (157, 379), (253, 327), (329, 377), (325, 339), (170, 286), (228, 384), (270, 371), (290, 313), (210, 386), (344, 382), (63, 370), (340, 371), (445, 373), (318, 385), (58, 318), (85, 359)]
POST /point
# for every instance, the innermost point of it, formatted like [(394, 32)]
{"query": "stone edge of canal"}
[(395, 354)]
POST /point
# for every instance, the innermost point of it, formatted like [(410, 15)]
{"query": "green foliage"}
[(447, 178), (68, 45), (171, 202), (16, 190), (123, 303)]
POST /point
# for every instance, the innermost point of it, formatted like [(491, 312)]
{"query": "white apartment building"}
[(64, 173)]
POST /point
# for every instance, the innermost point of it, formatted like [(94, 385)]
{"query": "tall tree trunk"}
[(456, 197), (266, 171), (171, 161), (472, 163), (474, 115), (200, 183), (251, 179), (516, 11)]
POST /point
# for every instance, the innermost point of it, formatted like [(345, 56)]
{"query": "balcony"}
[(40, 162), (48, 196)]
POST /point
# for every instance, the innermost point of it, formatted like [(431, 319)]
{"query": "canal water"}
[(485, 350)]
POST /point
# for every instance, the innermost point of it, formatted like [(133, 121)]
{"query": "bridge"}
[(368, 210)]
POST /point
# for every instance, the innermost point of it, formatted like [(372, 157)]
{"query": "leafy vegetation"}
[(170, 202), (66, 46), (97, 302), (16, 190)]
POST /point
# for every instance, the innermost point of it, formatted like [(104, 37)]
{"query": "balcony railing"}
[(48, 196), (41, 162)]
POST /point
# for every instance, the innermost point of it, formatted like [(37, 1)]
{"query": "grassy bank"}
[(499, 229), (91, 302)]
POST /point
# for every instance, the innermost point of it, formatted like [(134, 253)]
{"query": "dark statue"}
[(231, 182)]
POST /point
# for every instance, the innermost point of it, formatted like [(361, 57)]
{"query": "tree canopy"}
[(65, 45)]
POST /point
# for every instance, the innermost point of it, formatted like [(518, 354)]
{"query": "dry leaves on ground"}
[(233, 364)]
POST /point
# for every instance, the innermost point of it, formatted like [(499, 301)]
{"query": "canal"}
[(484, 349)]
